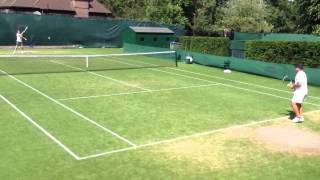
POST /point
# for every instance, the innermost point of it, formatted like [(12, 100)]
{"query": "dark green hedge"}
[(208, 45), (289, 52)]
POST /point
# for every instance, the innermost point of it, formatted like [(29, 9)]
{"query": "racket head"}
[(22, 28)]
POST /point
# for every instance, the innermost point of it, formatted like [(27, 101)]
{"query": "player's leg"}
[(297, 101), (296, 109), (301, 111), (15, 49)]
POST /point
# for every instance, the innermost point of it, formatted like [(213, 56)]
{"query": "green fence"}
[(66, 30), (290, 37), (273, 70), (135, 48), (239, 36)]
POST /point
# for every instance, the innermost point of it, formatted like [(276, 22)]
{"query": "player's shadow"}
[(291, 114)]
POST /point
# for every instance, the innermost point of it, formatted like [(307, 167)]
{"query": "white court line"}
[(70, 109), (251, 84), (137, 92), (240, 82), (210, 81), (102, 76), (235, 87), (185, 137), (54, 139)]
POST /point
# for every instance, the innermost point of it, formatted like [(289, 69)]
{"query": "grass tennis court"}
[(115, 124)]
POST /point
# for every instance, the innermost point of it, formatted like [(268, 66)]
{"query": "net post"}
[(87, 62), (176, 58)]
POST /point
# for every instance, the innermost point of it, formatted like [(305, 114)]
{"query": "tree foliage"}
[(245, 16), (309, 14), (316, 30), (208, 45), (128, 9), (285, 52), (205, 17), (283, 15), (165, 11)]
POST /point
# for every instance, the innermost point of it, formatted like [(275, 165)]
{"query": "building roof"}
[(97, 7), (158, 30), (55, 5)]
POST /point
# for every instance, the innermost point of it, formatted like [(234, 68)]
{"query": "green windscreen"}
[(278, 71), (57, 30)]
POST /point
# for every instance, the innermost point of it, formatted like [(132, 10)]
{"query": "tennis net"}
[(35, 64)]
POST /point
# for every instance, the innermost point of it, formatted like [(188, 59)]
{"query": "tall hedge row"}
[(288, 52), (209, 45)]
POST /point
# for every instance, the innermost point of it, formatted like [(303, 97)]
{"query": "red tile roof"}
[(56, 5)]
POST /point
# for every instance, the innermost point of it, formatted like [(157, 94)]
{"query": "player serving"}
[(300, 88), (20, 38)]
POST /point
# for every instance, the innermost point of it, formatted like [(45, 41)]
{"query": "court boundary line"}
[(102, 76), (240, 82), (211, 81), (218, 77), (42, 129), (181, 138), (236, 87), (138, 92), (71, 110)]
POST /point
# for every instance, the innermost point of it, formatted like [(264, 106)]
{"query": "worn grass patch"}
[(235, 148)]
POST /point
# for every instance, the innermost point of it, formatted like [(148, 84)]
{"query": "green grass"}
[(63, 51), (143, 106)]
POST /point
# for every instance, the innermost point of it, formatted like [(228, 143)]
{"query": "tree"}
[(283, 15), (202, 15), (128, 9), (165, 11), (245, 16), (205, 17), (316, 30), (309, 14)]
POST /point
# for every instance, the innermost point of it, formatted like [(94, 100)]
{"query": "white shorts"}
[(299, 97), (19, 43)]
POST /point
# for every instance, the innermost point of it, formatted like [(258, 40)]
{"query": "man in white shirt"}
[(300, 88)]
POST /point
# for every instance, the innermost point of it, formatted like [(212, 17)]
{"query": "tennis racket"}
[(23, 28)]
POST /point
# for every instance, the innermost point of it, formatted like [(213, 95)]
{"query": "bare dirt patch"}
[(289, 139)]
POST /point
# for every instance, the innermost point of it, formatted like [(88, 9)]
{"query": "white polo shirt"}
[(19, 37), (301, 78)]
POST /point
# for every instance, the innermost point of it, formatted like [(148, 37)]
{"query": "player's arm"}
[(297, 85)]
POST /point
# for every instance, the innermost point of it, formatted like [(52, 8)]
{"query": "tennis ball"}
[(49, 37)]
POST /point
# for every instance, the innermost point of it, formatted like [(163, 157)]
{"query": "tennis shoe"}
[(301, 119), (296, 120)]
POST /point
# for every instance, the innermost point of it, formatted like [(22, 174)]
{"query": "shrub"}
[(208, 45), (285, 52)]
